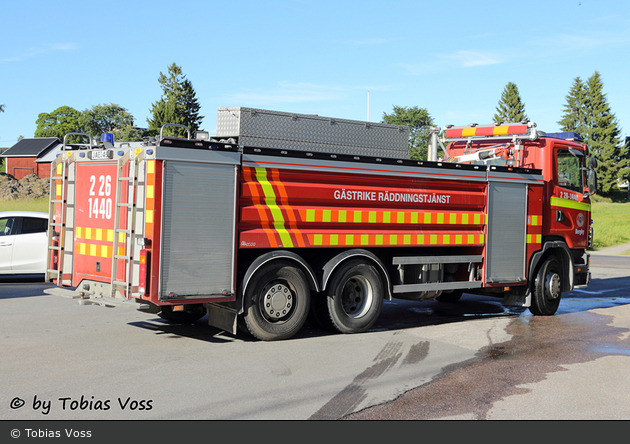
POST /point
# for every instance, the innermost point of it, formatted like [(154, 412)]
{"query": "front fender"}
[(563, 253)]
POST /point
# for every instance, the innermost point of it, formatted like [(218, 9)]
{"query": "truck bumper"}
[(582, 272)]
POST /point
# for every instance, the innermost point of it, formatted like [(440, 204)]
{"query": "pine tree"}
[(574, 117), (588, 113), (178, 104), (510, 108), (603, 137)]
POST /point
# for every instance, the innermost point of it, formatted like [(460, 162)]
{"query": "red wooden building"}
[(26, 157)]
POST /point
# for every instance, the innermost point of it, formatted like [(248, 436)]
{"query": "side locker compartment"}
[(197, 240), (507, 226)]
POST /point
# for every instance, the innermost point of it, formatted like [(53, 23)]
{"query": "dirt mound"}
[(27, 188)]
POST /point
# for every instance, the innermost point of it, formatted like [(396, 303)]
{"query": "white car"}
[(23, 242)]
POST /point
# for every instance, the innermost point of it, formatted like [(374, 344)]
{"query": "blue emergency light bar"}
[(566, 136), (107, 137)]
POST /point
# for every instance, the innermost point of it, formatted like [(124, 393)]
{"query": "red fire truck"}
[(280, 218)]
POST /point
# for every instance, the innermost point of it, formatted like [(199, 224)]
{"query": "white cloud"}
[(458, 59), (468, 59), (40, 50)]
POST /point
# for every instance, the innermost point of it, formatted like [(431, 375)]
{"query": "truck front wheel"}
[(547, 288), (355, 297), (277, 300)]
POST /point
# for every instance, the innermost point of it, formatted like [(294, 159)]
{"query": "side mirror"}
[(592, 180), (592, 162)]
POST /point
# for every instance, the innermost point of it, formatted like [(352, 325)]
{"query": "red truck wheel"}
[(547, 289), (277, 300)]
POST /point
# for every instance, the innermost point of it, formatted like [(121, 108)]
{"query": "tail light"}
[(143, 287)]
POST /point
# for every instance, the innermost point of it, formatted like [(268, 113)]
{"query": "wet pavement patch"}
[(538, 346)]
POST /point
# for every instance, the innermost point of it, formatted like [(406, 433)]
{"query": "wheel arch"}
[(344, 256), (273, 256), (561, 251)]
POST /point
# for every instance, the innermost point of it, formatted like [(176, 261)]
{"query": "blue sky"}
[(322, 57)]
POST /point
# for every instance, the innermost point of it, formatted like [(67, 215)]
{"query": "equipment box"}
[(305, 132)]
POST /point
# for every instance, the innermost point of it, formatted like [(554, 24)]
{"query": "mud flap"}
[(517, 300), (222, 317)]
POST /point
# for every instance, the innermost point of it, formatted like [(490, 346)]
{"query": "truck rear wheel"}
[(355, 297), (547, 289), (277, 300)]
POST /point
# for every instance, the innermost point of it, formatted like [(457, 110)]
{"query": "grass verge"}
[(40, 205)]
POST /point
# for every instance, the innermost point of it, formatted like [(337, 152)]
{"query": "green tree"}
[(110, 118), (574, 117), (510, 108), (604, 137), (178, 104), (588, 113), (60, 122), (418, 120)]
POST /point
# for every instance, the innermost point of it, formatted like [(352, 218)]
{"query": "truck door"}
[(570, 213)]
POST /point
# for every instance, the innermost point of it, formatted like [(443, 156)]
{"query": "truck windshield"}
[(570, 171)]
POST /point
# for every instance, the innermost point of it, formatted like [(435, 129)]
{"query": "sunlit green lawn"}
[(25, 205)]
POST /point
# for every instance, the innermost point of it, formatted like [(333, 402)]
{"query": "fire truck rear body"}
[(273, 235)]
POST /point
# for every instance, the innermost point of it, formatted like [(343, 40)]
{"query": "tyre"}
[(547, 288), (190, 314), (451, 296), (355, 297), (277, 301)]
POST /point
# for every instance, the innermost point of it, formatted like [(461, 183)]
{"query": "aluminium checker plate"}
[(305, 132)]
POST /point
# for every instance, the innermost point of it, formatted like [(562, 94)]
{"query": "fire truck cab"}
[(569, 178), (283, 218)]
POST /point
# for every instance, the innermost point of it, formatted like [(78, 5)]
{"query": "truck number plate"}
[(100, 154)]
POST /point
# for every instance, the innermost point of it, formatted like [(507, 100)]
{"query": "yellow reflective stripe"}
[(571, 204), (534, 238), (94, 250), (468, 132), (312, 215), (276, 212), (327, 239), (100, 234), (534, 220)]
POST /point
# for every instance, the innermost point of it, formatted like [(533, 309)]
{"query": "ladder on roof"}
[(125, 237)]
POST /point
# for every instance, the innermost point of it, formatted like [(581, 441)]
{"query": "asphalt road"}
[(571, 366), (472, 360)]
